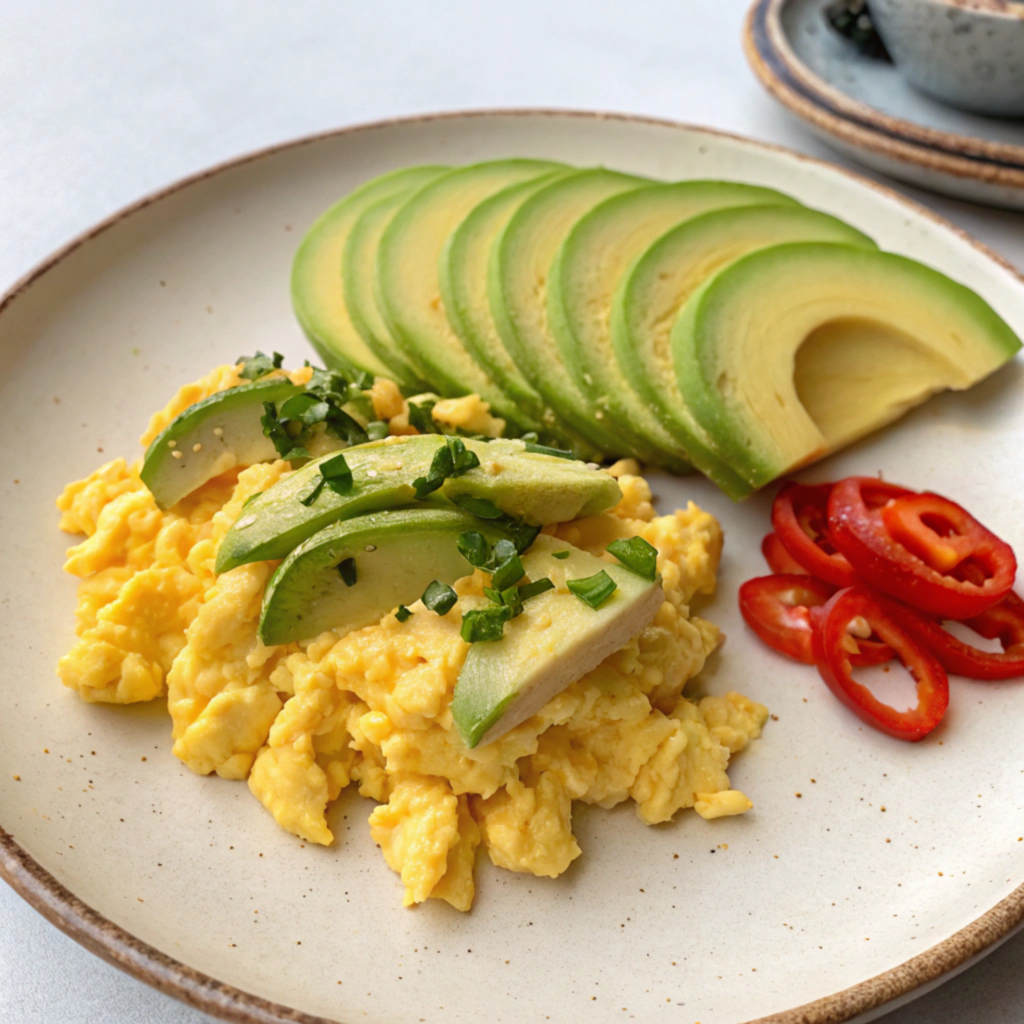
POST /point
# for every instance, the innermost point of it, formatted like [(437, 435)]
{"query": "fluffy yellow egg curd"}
[(303, 721)]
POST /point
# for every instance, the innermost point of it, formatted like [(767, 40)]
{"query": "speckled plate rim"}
[(787, 79), (119, 947), (1004, 153)]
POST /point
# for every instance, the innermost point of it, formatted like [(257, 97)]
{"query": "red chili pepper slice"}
[(835, 665), (799, 518), (783, 611), (858, 512), (778, 558), (1003, 622)]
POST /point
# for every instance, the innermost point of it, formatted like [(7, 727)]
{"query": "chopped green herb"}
[(440, 469), (306, 407), (463, 460), (560, 554), (493, 595), (248, 501), (403, 613), (484, 624), (362, 379), (509, 572), (543, 449), (420, 416), (512, 599), (439, 597), (347, 571), (259, 365), (636, 555), (484, 508), (528, 590), (287, 445), (336, 472), (313, 491), (523, 533), (474, 548), (531, 437), (504, 549), (593, 590), (377, 430)]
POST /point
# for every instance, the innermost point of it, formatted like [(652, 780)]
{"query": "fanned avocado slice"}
[(359, 263), (510, 480), (517, 283), (662, 278), (408, 286), (582, 282), (316, 282), (351, 574), (462, 276), (556, 640), (211, 437), (796, 350)]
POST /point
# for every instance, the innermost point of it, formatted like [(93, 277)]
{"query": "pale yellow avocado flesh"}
[(555, 641), (796, 350)]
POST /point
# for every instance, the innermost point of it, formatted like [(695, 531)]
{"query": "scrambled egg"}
[(301, 722)]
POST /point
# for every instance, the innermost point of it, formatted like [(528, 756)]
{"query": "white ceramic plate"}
[(869, 868)]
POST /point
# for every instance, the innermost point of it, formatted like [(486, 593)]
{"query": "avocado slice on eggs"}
[(316, 282), (211, 437), (352, 573), (796, 350), (509, 480), (582, 281), (556, 640), (409, 288), (657, 285)]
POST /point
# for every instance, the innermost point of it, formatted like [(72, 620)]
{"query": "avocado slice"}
[(517, 283), (657, 285), (358, 262), (510, 480), (556, 640), (316, 282), (211, 437), (532, 486), (462, 276), (799, 349), (581, 284), (408, 286), (392, 556)]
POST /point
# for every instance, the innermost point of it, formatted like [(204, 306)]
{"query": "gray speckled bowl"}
[(969, 53)]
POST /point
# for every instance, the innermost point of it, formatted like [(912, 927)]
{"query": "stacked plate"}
[(863, 107)]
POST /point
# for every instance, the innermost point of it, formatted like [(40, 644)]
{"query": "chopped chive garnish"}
[(336, 473), (362, 379), (484, 508), (593, 590), (403, 613), (512, 599), (439, 597), (377, 430), (474, 548), (420, 416), (347, 571), (543, 449), (528, 590), (484, 624), (636, 555), (508, 572), (530, 437), (504, 549), (492, 595), (313, 491), (560, 554), (259, 365), (440, 469), (463, 460)]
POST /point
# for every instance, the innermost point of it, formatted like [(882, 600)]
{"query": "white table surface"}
[(104, 100)]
